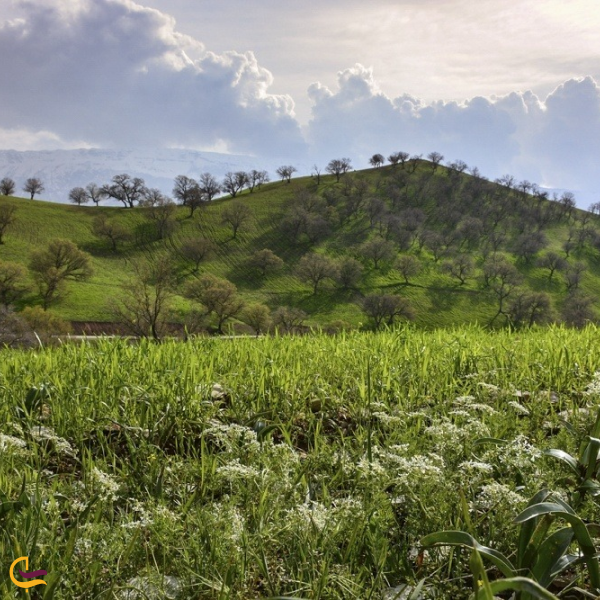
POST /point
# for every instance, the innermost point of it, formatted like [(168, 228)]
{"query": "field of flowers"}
[(304, 467)]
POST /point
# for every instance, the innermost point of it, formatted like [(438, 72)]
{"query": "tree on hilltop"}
[(125, 189), (33, 186), (7, 187), (286, 172), (338, 167)]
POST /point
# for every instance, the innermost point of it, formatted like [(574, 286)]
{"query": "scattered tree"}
[(502, 278), (527, 308), (33, 186), (94, 193), (78, 196), (460, 267), (386, 308), (257, 316), (265, 261), (187, 191), (436, 158), (553, 262), (578, 310), (62, 260), (286, 172), (398, 157), (256, 179), (197, 250), (316, 174), (12, 283), (573, 275), (7, 218), (288, 318), (408, 266), (377, 250), (125, 189), (209, 186), (338, 167), (234, 183), (314, 269), (160, 210), (376, 160), (146, 302), (114, 232), (217, 296), (349, 272), (7, 187), (237, 215)]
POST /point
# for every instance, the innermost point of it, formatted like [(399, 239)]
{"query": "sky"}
[(508, 86)]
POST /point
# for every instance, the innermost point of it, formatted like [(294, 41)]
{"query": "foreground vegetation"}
[(308, 467)]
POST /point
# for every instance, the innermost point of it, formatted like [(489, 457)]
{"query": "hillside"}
[(442, 217)]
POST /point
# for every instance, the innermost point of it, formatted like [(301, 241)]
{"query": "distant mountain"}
[(61, 170)]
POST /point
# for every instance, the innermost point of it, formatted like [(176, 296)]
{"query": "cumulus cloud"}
[(113, 72), (554, 141)]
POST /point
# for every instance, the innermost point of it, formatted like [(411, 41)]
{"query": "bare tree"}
[(460, 166), (578, 310), (386, 308), (234, 183), (460, 267), (265, 261), (408, 266), (503, 279), (197, 250), (314, 269), (7, 187), (398, 157), (12, 283), (413, 163), (217, 296), (338, 167), (527, 308), (7, 218), (187, 191), (573, 275), (62, 260), (146, 303), (209, 186), (94, 193), (114, 232), (286, 172), (377, 250), (258, 316), (256, 179), (33, 186), (237, 215), (377, 160), (288, 318), (436, 158), (125, 189), (553, 262), (316, 174), (159, 209), (349, 272), (78, 196)]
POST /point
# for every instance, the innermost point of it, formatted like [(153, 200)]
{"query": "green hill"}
[(439, 216)]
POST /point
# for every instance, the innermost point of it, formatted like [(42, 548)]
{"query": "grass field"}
[(306, 467), (438, 299)]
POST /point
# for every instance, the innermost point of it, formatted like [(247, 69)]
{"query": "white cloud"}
[(555, 141), (115, 73)]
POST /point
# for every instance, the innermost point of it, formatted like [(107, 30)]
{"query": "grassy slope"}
[(437, 299)]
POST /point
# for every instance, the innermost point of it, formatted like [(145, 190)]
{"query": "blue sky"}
[(506, 86)]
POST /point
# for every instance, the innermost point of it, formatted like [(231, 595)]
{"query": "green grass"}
[(312, 471), (437, 299)]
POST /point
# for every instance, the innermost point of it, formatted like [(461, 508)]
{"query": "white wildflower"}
[(519, 408), (109, 487), (11, 442)]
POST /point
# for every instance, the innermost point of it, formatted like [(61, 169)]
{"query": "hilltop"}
[(460, 230)]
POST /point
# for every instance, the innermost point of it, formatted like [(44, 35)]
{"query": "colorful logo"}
[(26, 584)]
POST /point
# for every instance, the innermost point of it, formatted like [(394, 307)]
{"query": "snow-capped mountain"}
[(62, 170)]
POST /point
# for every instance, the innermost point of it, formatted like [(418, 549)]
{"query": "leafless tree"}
[(33, 186), (408, 266), (265, 261), (460, 166), (197, 250), (338, 167), (398, 157), (573, 275), (377, 250), (94, 193), (460, 267), (115, 233), (159, 209), (257, 316), (7, 218), (527, 308), (237, 215), (257, 179), (553, 262), (413, 163), (314, 269), (62, 260), (7, 187), (186, 191), (316, 174), (578, 310), (209, 186), (286, 172), (78, 196), (386, 308), (288, 318), (436, 158), (503, 279), (145, 306), (125, 189), (234, 183), (12, 283), (349, 272), (217, 296)]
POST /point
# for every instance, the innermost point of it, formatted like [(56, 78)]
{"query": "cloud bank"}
[(554, 142), (115, 73)]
